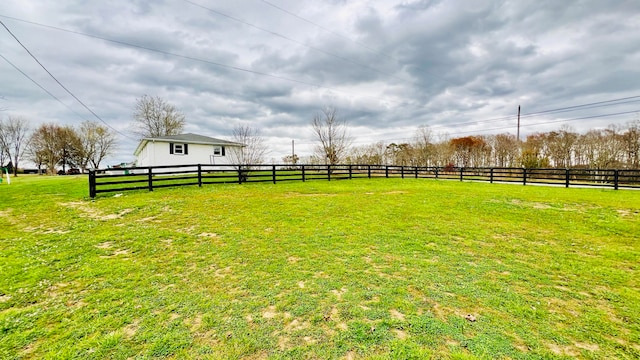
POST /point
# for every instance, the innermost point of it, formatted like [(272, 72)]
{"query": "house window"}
[(178, 149), (218, 151)]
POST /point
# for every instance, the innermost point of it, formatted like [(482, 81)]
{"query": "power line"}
[(232, 67), (59, 83), (550, 122), (619, 101), (40, 86), (294, 41)]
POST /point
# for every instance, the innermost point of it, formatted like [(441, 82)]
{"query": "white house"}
[(186, 149)]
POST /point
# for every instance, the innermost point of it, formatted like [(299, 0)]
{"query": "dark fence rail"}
[(150, 178)]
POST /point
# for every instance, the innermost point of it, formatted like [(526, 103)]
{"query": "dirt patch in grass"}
[(397, 314), (130, 330), (296, 325), (95, 214), (269, 313), (295, 194), (116, 253), (283, 342), (6, 214), (339, 293), (105, 245), (400, 334), (628, 213), (210, 235), (45, 231), (572, 350), (223, 272)]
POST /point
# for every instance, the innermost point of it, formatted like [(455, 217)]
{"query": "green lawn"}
[(352, 269)]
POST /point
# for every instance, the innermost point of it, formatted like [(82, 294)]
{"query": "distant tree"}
[(372, 154), (96, 143), (331, 134), (534, 152), (400, 154), (155, 117), (442, 152), (561, 145), (254, 148), (423, 146), (505, 150), (470, 150), (52, 144), (4, 153), (631, 141), (291, 160), (14, 135), (600, 149)]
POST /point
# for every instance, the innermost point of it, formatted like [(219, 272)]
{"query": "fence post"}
[(150, 178), (329, 172), (303, 177), (436, 172), (350, 172), (524, 176), (461, 172), (273, 170), (402, 171), (369, 171), (566, 182), (416, 172), (199, 175), (386, 171), (616, 179), (92, 183)]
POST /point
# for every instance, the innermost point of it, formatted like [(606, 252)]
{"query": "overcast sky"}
[(388, 67)]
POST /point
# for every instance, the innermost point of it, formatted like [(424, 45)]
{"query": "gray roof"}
[(188, 138), (194, 139)]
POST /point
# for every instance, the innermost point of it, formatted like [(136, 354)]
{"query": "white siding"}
[(157, 153)]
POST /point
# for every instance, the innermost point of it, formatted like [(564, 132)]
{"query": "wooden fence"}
[(150, 178)]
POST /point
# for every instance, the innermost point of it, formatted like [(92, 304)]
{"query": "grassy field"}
[(360, 269)]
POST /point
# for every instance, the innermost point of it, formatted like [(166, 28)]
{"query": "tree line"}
[(51, 145), (613, 147)]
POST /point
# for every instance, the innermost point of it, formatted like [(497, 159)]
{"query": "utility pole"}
[(518, 136), (293, 152)]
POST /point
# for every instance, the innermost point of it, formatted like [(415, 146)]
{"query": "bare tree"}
[(505, 150), (155, 117), (254, 148), (4, 153), (631, 139), (561, 145), (96, 143), (13, 139), (332, 135), (423, 146), (372, 154)]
